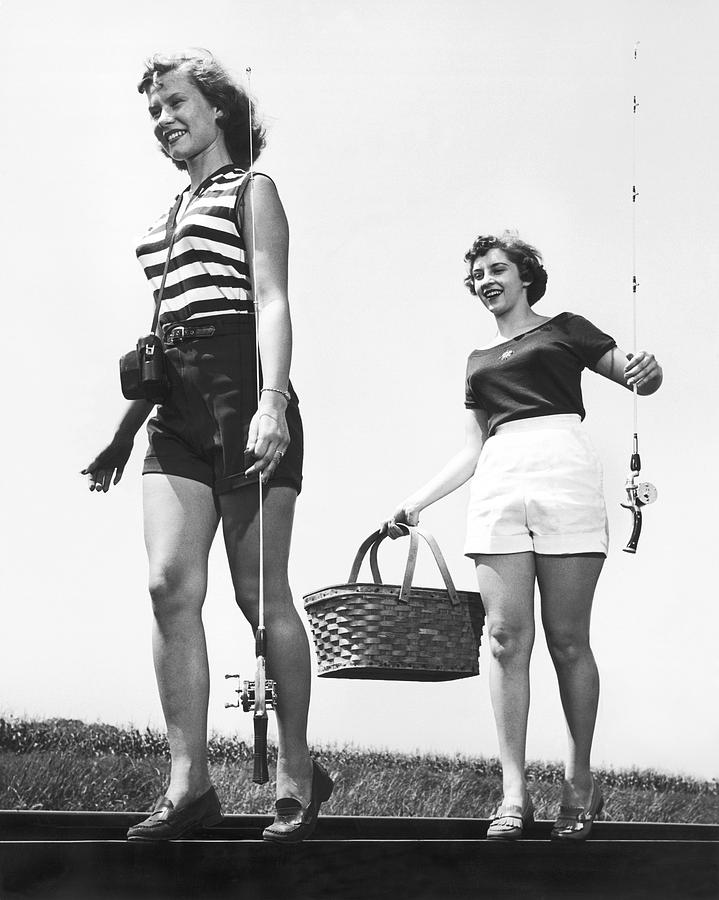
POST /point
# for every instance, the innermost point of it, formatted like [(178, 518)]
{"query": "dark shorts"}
[(201, 431)]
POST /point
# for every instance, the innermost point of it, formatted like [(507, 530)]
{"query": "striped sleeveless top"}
[(208, 273)]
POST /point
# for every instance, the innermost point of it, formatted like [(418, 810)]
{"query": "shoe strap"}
[(162, 810), (575, 815), (570, 812), (581, 813), (509, 822), (507, 816), (511, 811), (288, 804)]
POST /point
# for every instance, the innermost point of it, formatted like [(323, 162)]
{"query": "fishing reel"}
[(638, 495), (247, 695), (645, 494), (257, 697)]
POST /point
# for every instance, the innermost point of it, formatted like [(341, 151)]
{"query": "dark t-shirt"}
[(537, 373)]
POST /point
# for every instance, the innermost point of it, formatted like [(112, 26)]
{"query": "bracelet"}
[(285, 394)]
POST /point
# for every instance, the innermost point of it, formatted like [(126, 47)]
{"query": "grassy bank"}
[(66, 764)]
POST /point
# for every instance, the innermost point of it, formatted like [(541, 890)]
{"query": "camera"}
[(143, 371)]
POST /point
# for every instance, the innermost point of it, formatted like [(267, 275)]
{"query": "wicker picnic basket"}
[(396, 632)]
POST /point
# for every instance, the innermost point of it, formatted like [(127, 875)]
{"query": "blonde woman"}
[(209, 442)]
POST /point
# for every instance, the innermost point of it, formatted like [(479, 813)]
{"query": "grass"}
[(69, 765)]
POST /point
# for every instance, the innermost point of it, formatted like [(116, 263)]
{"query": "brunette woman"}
[(536, 511), (209, 442)]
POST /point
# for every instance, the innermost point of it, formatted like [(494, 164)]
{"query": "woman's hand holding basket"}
[(407, 513)]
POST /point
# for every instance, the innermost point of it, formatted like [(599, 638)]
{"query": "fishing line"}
[(638, 494), (259, 695), (635, 194), (255, 301)]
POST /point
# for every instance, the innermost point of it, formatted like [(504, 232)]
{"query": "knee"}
[(247, 589), (247, 592), (567, 648), (173, 589), (278, 598), (508, 644)]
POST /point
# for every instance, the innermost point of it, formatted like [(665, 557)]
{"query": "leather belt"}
[(175, 334)]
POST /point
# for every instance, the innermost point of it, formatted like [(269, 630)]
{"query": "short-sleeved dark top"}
[(537, 373)]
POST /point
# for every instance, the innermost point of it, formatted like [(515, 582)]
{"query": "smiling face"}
[(185, 123), (497, 282)]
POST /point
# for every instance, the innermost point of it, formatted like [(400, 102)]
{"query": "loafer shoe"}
[(165, 823), (510, 820), (574, 823), (293, 823)]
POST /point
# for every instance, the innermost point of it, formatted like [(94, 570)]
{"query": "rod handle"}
[(261, 774), (261, 641), (636, 530)]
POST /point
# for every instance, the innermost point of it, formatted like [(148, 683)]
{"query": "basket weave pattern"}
[(363, 630)]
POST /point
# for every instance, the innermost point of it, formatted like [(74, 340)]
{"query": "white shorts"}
[(537, 487)]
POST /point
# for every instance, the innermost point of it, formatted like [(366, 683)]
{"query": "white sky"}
[(397, 132)]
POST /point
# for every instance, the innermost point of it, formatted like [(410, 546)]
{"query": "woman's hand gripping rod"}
[(260, 695)]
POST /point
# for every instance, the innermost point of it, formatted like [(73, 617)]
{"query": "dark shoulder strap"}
[(170, 238)]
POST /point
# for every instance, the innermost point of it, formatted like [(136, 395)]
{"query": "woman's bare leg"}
[(506, 582), (567, 584), (288, 658), (180, 523)]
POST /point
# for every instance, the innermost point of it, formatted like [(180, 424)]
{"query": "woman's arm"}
[(640, 369), (268, 245), (113, 459), (458, 470)]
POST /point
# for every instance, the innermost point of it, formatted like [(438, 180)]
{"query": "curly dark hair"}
[(527, 259), (221, 91)]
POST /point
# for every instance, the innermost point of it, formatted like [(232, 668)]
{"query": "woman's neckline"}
[(521, 335), (227, 167)]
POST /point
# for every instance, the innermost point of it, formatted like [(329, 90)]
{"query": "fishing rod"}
[(639, 494), (260, 695)]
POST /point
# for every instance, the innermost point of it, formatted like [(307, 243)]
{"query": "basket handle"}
[(373, 542)]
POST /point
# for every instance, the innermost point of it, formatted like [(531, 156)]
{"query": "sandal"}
[(510, 820), (574, 823)]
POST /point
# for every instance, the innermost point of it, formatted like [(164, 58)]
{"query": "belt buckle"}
[(176, 334)]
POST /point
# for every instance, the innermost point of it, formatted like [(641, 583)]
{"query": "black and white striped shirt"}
[(208, 273)]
